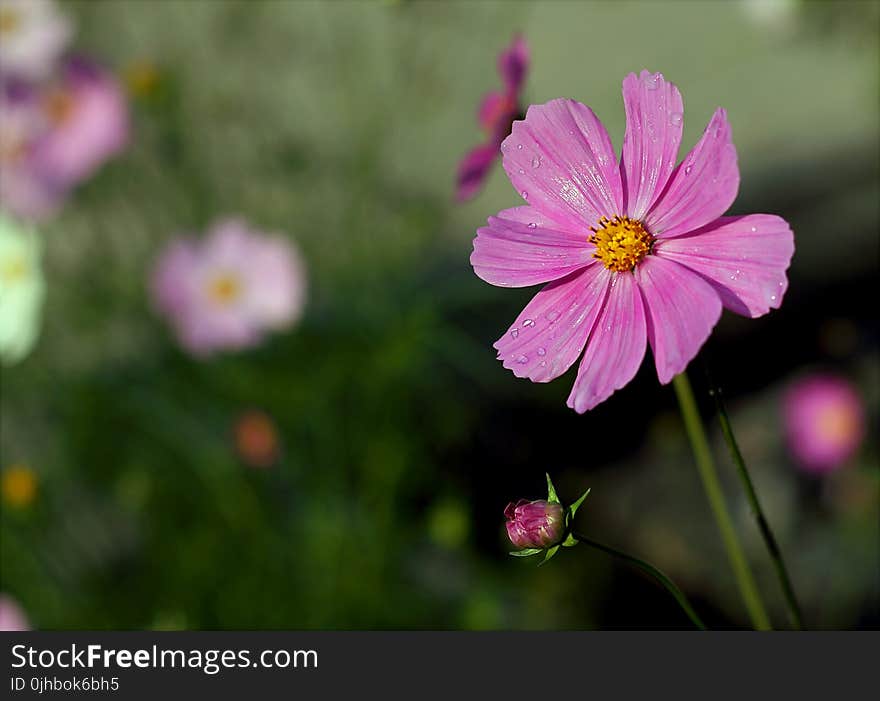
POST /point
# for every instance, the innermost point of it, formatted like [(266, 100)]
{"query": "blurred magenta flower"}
[(12, 617), (535, 524), (495, 115), (57, 134), (634, 252), (33, 35), (824, 419), (227, 290)]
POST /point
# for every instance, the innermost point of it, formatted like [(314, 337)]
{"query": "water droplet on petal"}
[(687, 171), (536, 162), (543, 363), (522, 172), (523, 359), (542, 352), (519, 147), (754, 228), (675, 119), (529, 322), (532, 225), (525, 195), (772, 298), (651, 81), (514, 333)]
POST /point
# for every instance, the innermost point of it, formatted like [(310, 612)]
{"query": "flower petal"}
[(473, 170), (550, 333), (561, 161), (615, 348), (744, 258), (682, 309), (703, 186), (513, 63), (654, 116), (521, 247)]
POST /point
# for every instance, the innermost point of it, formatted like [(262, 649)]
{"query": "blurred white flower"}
[(771, 14), (33, 35), (22, 289)]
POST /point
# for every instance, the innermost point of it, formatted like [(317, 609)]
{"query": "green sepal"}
[(569, 541), (525, 553), (550, 553), (574, 507), (551, 491)]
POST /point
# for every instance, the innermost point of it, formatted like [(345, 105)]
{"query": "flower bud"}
[(535, 524)]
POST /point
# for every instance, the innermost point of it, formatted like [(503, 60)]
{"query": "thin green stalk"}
[(794, 610), (700, 445), (665, 581)]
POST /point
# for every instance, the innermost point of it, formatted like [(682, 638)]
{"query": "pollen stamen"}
[(621, 242)]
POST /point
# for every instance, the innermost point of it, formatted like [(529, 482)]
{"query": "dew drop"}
[(523, 359), (536, 162), (651, 81), (754, 228), (522, 172), (514, 333), (529, 322), (543, 363), (772, 298), (542, 351), (675, 119), (687, 171), (532, 225), (525, 195), (519, 147)]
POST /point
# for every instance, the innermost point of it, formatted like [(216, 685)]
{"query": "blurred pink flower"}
[(88, 123), (495, 115), (227, 290), (824, 421), (634, 252), (33, 35), (12, 617), (55, 135), (535, 524), (23, 191)]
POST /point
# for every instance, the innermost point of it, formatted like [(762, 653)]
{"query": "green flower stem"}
[(794, 610), (700, 445), (665, 581)]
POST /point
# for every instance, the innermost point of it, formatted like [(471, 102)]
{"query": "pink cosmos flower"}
[(495, 115), (88, 123), (535, 524), (634, 252), (227, 290), (824, 420), (55, 135), (12, 617)]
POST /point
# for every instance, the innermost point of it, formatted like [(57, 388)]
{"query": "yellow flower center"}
[(12, 270), (9, 20), (58, 105), (224, 289), (19, 486), (621, 242), (837, 424)]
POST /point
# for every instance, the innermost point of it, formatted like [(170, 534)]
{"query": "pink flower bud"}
[(535, 524)]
